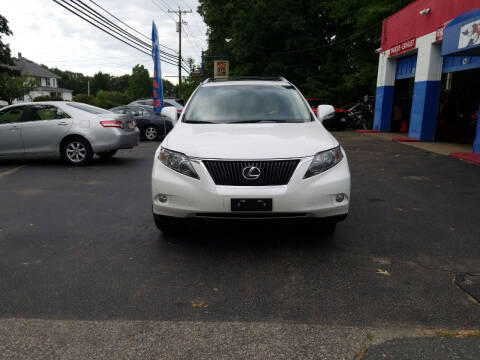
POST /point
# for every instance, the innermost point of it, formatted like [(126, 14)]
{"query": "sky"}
[(46, 33)]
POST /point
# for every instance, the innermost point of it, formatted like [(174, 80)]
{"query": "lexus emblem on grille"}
[(251, 172)]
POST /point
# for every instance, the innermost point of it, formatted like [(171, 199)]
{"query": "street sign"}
[(220, 69)]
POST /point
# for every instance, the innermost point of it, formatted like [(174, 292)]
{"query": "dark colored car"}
[(339, 122), (152, 126)]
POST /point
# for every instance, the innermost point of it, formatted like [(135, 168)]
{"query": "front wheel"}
[(151, 133), (107, 154), (76, 151)]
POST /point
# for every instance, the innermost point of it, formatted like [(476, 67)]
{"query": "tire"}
[(107, 154), (167, 224), (151, 133), (76, 151)]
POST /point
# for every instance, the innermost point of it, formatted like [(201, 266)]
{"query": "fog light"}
[(340, 197), (162, 198)]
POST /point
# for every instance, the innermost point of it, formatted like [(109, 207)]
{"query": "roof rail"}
[(248, 78)]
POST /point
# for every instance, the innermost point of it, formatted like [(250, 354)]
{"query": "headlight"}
[(178, 162), (323, 161)]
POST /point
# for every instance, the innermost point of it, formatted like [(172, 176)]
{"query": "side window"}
[(118, 111), (167, 103), (12, 115), (134, 112), (46, 112)]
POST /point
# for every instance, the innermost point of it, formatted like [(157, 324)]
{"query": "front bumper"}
[(312, 197)]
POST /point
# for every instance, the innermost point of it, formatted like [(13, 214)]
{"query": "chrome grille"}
[(272, 172)]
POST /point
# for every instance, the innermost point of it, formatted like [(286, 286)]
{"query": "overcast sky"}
[(46, 33)]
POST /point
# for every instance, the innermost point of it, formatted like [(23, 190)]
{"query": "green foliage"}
[(86, 99), (110, 99), (47, 98), (71, 80), (326, 48), (14, 87), (5, 53), (139, 84), (100, 81), (188, 87)]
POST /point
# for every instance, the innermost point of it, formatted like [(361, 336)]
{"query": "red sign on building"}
[(403, 47), (439, 33)]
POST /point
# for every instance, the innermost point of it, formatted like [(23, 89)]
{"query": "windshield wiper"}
[(257, 121), (198, 122)]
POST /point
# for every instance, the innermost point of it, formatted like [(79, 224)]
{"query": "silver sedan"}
[(73, 131)]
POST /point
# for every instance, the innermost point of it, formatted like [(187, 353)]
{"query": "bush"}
[(47, 98), (86, 99), (110, 99)]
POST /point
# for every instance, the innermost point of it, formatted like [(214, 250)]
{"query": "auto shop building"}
[(429, 72)]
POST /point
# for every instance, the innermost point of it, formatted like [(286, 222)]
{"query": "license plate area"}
[(252, 204)]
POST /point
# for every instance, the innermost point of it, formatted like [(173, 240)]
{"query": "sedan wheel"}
[(77, 151), (151, 133)]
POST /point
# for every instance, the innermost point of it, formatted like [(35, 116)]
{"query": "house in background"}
[(48, 81)]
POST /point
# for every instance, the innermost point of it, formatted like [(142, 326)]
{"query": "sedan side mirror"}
[(170, 112), (325, 112)]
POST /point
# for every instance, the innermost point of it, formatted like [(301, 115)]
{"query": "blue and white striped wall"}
[(427, 66), (426, 92), (384, 96)]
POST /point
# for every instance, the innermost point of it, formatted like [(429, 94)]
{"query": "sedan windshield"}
[(228, 104)]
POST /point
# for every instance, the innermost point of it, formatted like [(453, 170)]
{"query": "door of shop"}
[(459, 100), (403, 93)]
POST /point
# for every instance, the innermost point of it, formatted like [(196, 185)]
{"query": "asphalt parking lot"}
[(78, 246)]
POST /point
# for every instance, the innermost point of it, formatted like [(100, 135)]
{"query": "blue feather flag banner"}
[(157, 72)]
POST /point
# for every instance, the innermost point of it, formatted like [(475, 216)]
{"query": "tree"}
[(5, 53), (169, 90), (120, 83), (100, 81), (15, 87), (139, 84), (72, 80), (327, 48)]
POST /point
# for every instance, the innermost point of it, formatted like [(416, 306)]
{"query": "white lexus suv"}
[(250, 148)]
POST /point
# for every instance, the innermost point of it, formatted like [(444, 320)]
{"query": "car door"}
[(10, 131), (45, 127)]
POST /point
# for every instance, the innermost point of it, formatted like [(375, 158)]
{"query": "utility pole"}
[(180, 22)]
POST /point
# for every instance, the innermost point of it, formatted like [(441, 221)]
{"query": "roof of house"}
[(28, 67)]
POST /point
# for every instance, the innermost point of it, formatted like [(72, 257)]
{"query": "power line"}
[(164, 10), (112, 15), (104, 30), (114, 27)]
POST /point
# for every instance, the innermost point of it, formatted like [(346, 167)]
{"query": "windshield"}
[(88, 108), (228, 104)]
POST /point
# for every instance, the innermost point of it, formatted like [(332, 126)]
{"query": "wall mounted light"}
[(425, 12)]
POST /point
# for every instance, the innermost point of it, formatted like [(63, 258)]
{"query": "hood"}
[(249, 141)]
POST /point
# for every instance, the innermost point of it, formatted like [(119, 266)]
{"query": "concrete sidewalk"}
[(438, 147)]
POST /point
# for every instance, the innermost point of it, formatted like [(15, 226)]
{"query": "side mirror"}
[(325, 112), (170, 112)]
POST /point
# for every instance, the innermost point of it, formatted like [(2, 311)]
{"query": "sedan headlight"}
[(323, 161), (178, 162)]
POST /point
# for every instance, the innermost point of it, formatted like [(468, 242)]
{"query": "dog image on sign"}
[(469, 35)]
